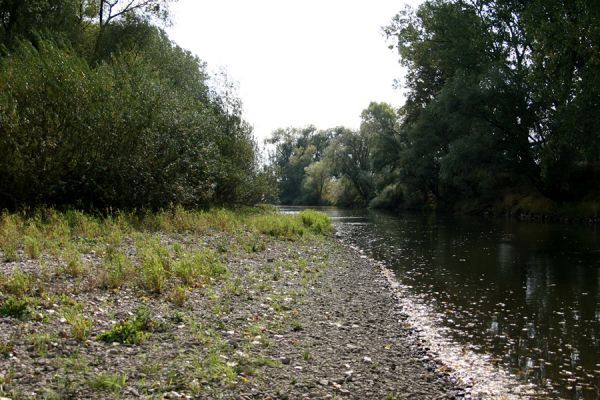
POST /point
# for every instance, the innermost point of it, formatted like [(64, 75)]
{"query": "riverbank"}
[(189, 305)]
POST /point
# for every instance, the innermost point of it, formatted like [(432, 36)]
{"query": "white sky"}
[(297, 62)]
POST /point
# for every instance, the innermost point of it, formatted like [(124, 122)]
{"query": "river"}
[(524, 296)]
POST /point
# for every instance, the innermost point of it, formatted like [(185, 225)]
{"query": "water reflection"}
[(528, 294)]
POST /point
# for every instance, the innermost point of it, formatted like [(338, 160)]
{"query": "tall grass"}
[(156, 266)]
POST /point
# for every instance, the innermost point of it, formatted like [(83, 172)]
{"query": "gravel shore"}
[(290, 320)]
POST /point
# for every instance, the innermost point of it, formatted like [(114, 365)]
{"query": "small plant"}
[(234, 287), (81, 328), (15, 308), (73, 266), (108, 382), (199, 268), (134, 331), (116, 268), (153, 276), (10, 235), (18, 283), (6, 349), (213, 368), (33, 246), (296, 325), (306, 355), (39, 342), (178, 296), (278, 226)]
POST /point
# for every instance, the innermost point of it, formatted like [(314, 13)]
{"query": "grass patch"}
[(108, 382), (317, 222), (81, 327), (11, 232), (18, 283), (115, 271), (40, 342)]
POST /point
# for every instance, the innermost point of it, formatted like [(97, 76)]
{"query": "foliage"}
[(316, 221), (99, 109), (500, 98), (133, 331), (15, 307)]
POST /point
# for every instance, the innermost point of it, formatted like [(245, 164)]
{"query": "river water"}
[(524, 296)]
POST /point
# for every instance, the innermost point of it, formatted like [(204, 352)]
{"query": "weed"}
[(153, 276), (134, 331), (199, 268), (278, 226), (18, 283), (113, 235), (83, 225), (6, 349), (234, 287), (306, 355), (81, 328), (15, 308), (39, 342), (33, 241), (178, 296), (73, 266), (11, 227), (116, 268), (108, 382), (296, 325), (254, 244), (214, 368)]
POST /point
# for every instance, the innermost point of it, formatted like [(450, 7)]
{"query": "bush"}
[(139, 130)]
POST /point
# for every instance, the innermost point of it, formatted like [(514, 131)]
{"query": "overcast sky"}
[(296, 62)]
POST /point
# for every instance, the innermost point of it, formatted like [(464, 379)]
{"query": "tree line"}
[(502, 98), (99, 109)]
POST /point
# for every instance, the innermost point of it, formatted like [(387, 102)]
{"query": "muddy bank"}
[(289, 319)]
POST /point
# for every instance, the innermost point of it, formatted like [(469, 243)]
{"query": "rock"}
[(284, 360), (323, 382)]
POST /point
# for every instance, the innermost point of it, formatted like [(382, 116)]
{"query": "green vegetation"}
[(15, 308), (501, 99), (134, 331), (99, 109), (108, 382), (93, 271)]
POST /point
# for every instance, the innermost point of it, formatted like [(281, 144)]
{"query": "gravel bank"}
[(290, 320)]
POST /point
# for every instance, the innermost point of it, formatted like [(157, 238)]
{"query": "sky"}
[(296, 62)]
